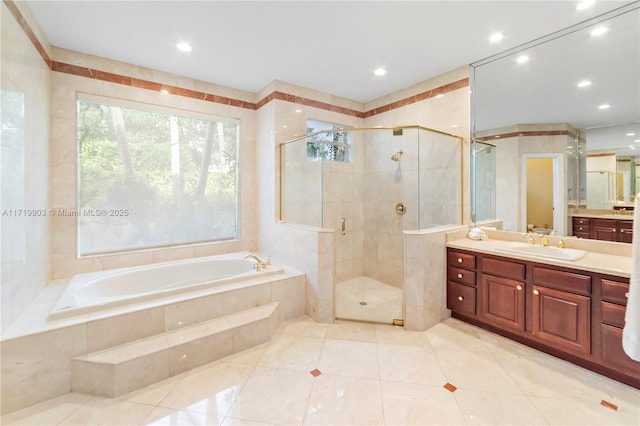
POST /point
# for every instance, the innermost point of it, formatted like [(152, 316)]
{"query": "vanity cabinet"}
[(572, 314), (614, 301), (617, 230), (582, 227), (625, 231), (604, 229), (461, 291)]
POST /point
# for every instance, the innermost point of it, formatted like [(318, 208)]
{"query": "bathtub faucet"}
[(261, 264)]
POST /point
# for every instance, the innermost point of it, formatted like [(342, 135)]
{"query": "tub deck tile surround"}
[(46, 349), (124, 368)]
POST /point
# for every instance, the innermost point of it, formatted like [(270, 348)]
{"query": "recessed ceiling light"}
[(440, 95), (454, 126), (585, 4), (631, 134), (584, 83), (604, 106), (164, 91), (380, 71), (496, 37), (298, 110), (522, 59), (184, 47), (599, 31)]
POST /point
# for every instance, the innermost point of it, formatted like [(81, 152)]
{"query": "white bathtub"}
[(117, 287)]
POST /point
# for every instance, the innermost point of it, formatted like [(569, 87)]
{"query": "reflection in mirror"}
[(578, 97)]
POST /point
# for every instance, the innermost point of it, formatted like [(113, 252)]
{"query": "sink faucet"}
[(544, 240), (530, 237), (261, 264)]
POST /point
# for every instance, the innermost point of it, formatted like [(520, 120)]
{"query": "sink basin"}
[(538, 250)]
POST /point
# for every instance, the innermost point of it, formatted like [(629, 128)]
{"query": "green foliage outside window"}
[(152, 179)]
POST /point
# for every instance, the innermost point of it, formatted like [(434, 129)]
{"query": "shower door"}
[(370, 273)]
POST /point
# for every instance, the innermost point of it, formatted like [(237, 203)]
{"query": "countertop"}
[(610, 264), (604, 216)]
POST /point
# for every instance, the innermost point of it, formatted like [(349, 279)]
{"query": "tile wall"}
[(276, 114), (513, 142), (65, 88), (25, 165)]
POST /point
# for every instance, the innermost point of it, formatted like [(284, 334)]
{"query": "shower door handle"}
[(400, 209), (343, 225)]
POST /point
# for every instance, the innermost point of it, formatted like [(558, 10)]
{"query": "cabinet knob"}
[(460, 298), (613, 230), (622, 231), (536, 292), (459, 260), (459, 275), (518, 287), (581, 228), (626, 295)]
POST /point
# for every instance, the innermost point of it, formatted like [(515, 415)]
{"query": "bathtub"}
[(95, 291)]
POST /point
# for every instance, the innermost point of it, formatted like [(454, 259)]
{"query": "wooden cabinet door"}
[(562, 320), (502, 302), (625, 231), (604, 229), (613, 355)]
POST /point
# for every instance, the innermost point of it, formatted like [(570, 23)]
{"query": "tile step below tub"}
[(124, 368)]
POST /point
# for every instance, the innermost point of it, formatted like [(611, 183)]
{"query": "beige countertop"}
[(611, 264), (604, 216)]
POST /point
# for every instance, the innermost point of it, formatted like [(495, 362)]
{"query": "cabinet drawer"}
[(503, 268), (463, 276), (461, 260), (461, 298), (612, 314), (581, 229), (615, 292), (577, 221), (567, 281), (613, 355)]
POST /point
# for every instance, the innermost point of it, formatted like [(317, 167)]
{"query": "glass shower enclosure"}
[(385, 181)]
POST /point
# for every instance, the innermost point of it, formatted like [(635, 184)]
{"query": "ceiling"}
[(329, 46), (545, 90)]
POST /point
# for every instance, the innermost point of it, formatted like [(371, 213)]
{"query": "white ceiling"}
[(330, 46)]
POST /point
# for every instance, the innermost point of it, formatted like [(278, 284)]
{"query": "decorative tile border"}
[(27, 30), (281, 96), (209, 97), (146, 84), (526, 134), (419, 97)]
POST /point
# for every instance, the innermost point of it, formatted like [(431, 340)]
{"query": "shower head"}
[(396, 156)]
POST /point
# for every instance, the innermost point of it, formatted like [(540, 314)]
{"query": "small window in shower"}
[(327, 141)]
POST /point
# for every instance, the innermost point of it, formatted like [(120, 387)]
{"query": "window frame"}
[(171, 111)]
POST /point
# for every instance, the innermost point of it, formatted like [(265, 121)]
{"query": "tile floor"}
[(383, 302), (355, 373)]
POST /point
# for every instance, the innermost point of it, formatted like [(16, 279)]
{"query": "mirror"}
[(573, 94)]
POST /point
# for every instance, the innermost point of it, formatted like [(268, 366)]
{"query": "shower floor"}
[(383, 302)]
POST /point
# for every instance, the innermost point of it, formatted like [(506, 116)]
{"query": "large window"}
[(151, 177)]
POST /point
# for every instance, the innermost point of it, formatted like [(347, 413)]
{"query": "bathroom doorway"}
[(543, 206)]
